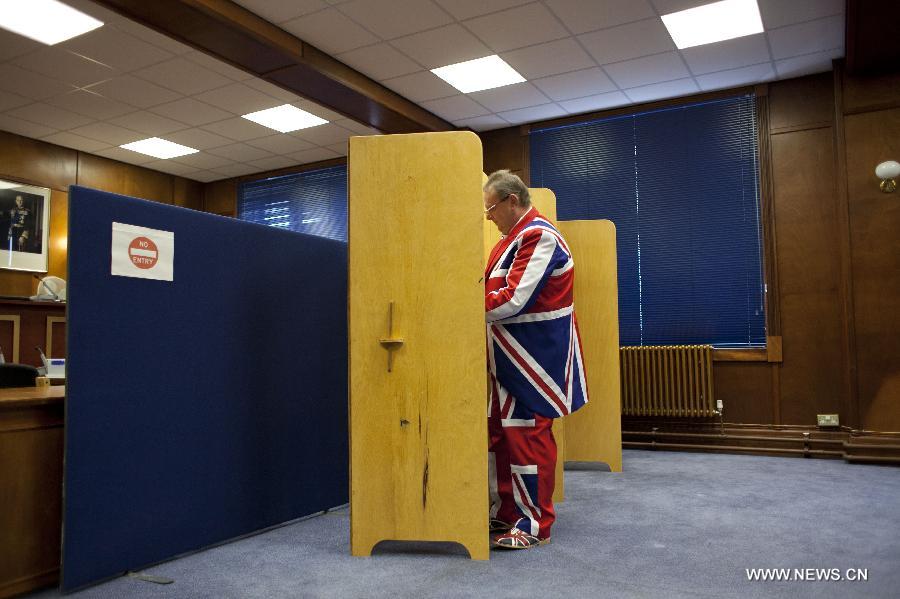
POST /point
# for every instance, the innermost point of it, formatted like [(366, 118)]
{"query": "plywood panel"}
[(594, 433), (418, 433)]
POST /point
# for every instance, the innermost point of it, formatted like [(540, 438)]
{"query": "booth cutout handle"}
[(390, 343)]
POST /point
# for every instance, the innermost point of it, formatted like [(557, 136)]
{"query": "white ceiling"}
[(124, 82)]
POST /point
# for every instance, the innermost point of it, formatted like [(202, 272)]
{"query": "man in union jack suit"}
[(535, 366)]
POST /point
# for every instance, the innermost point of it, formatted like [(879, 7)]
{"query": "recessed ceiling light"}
[(159, 148), (45, 21), (714, 22), (482, 73), (284, 118)]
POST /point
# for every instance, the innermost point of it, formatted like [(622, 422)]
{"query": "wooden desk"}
[(31, 470)]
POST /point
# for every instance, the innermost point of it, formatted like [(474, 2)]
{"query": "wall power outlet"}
[(828, 419)]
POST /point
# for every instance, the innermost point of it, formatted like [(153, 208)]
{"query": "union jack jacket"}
[(534, 351)]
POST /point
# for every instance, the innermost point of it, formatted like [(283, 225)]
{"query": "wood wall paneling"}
[(126, 179), (187, 193), (874, 230), (36, 162), (745, 391), (506, 149), (801, 103), (220, 197)]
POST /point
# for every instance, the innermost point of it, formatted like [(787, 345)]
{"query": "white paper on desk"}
[(143, 253)]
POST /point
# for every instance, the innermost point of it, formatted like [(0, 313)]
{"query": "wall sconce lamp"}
[(888, 171)]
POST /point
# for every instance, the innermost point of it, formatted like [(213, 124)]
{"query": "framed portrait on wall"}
[(24, 226)]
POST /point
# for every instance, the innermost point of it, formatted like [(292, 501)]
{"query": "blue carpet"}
[(670, 525)]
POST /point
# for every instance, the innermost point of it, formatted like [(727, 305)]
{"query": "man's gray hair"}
[(504, 183)]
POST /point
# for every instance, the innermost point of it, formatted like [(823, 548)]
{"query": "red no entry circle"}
[(143, 252)]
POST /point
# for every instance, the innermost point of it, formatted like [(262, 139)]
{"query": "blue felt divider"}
[(205, 408)]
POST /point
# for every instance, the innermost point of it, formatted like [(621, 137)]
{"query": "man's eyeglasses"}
[(497, 203)]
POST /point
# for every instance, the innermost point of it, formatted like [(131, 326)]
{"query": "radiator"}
[(667, 380)]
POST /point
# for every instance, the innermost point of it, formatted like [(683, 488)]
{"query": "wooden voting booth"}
[(418, 431), (594, 433)]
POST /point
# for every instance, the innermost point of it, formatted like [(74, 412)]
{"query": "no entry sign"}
[(143, 253)]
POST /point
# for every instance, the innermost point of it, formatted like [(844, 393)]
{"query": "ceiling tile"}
[(807, 65), (30, 84), (77, 142), (65, 66), (381, 61), (238, 98), (483, 123), (199, 139), (589, 82), (26, 128), (9, 100), (236, 170), (659, 91), (730, 54), (466, 9), (91, 105), (150, 123), (506, 30), (735, 77), (329, 30), (441, 47), (806, 38), (134, 91), (319, 110), (665, 7), (273, 163), (357, 128), (116, 49), (340, 149), (647, 70), (548, 59), (455, 108), (392, 18), (238, 129), (314, 155), (123, 155), (532, 114), (624, 42), (191, 111), (510, 97), (203, 160), (148, 35), (51, 116), (270, 89), (240, 152), (599, 102), (778, 13), (102, 14), (170, 167), (281, 144), (324, 135), (111, 134), (219, 66), (183, 76), (278, 11), (12, 45), (206, 176), (421, 86), (581, 16)]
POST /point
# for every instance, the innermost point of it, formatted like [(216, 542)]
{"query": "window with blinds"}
[(681, 185), (312, 202)]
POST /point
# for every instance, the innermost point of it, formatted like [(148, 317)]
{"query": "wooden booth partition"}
[(594, 433), (418, 432), (544, 200)]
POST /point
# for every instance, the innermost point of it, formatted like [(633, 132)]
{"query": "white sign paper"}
[(143, 253)]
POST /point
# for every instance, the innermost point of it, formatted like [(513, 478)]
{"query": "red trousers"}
[(521, 464)]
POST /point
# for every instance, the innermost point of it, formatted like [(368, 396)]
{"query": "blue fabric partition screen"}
[(204, 408)]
